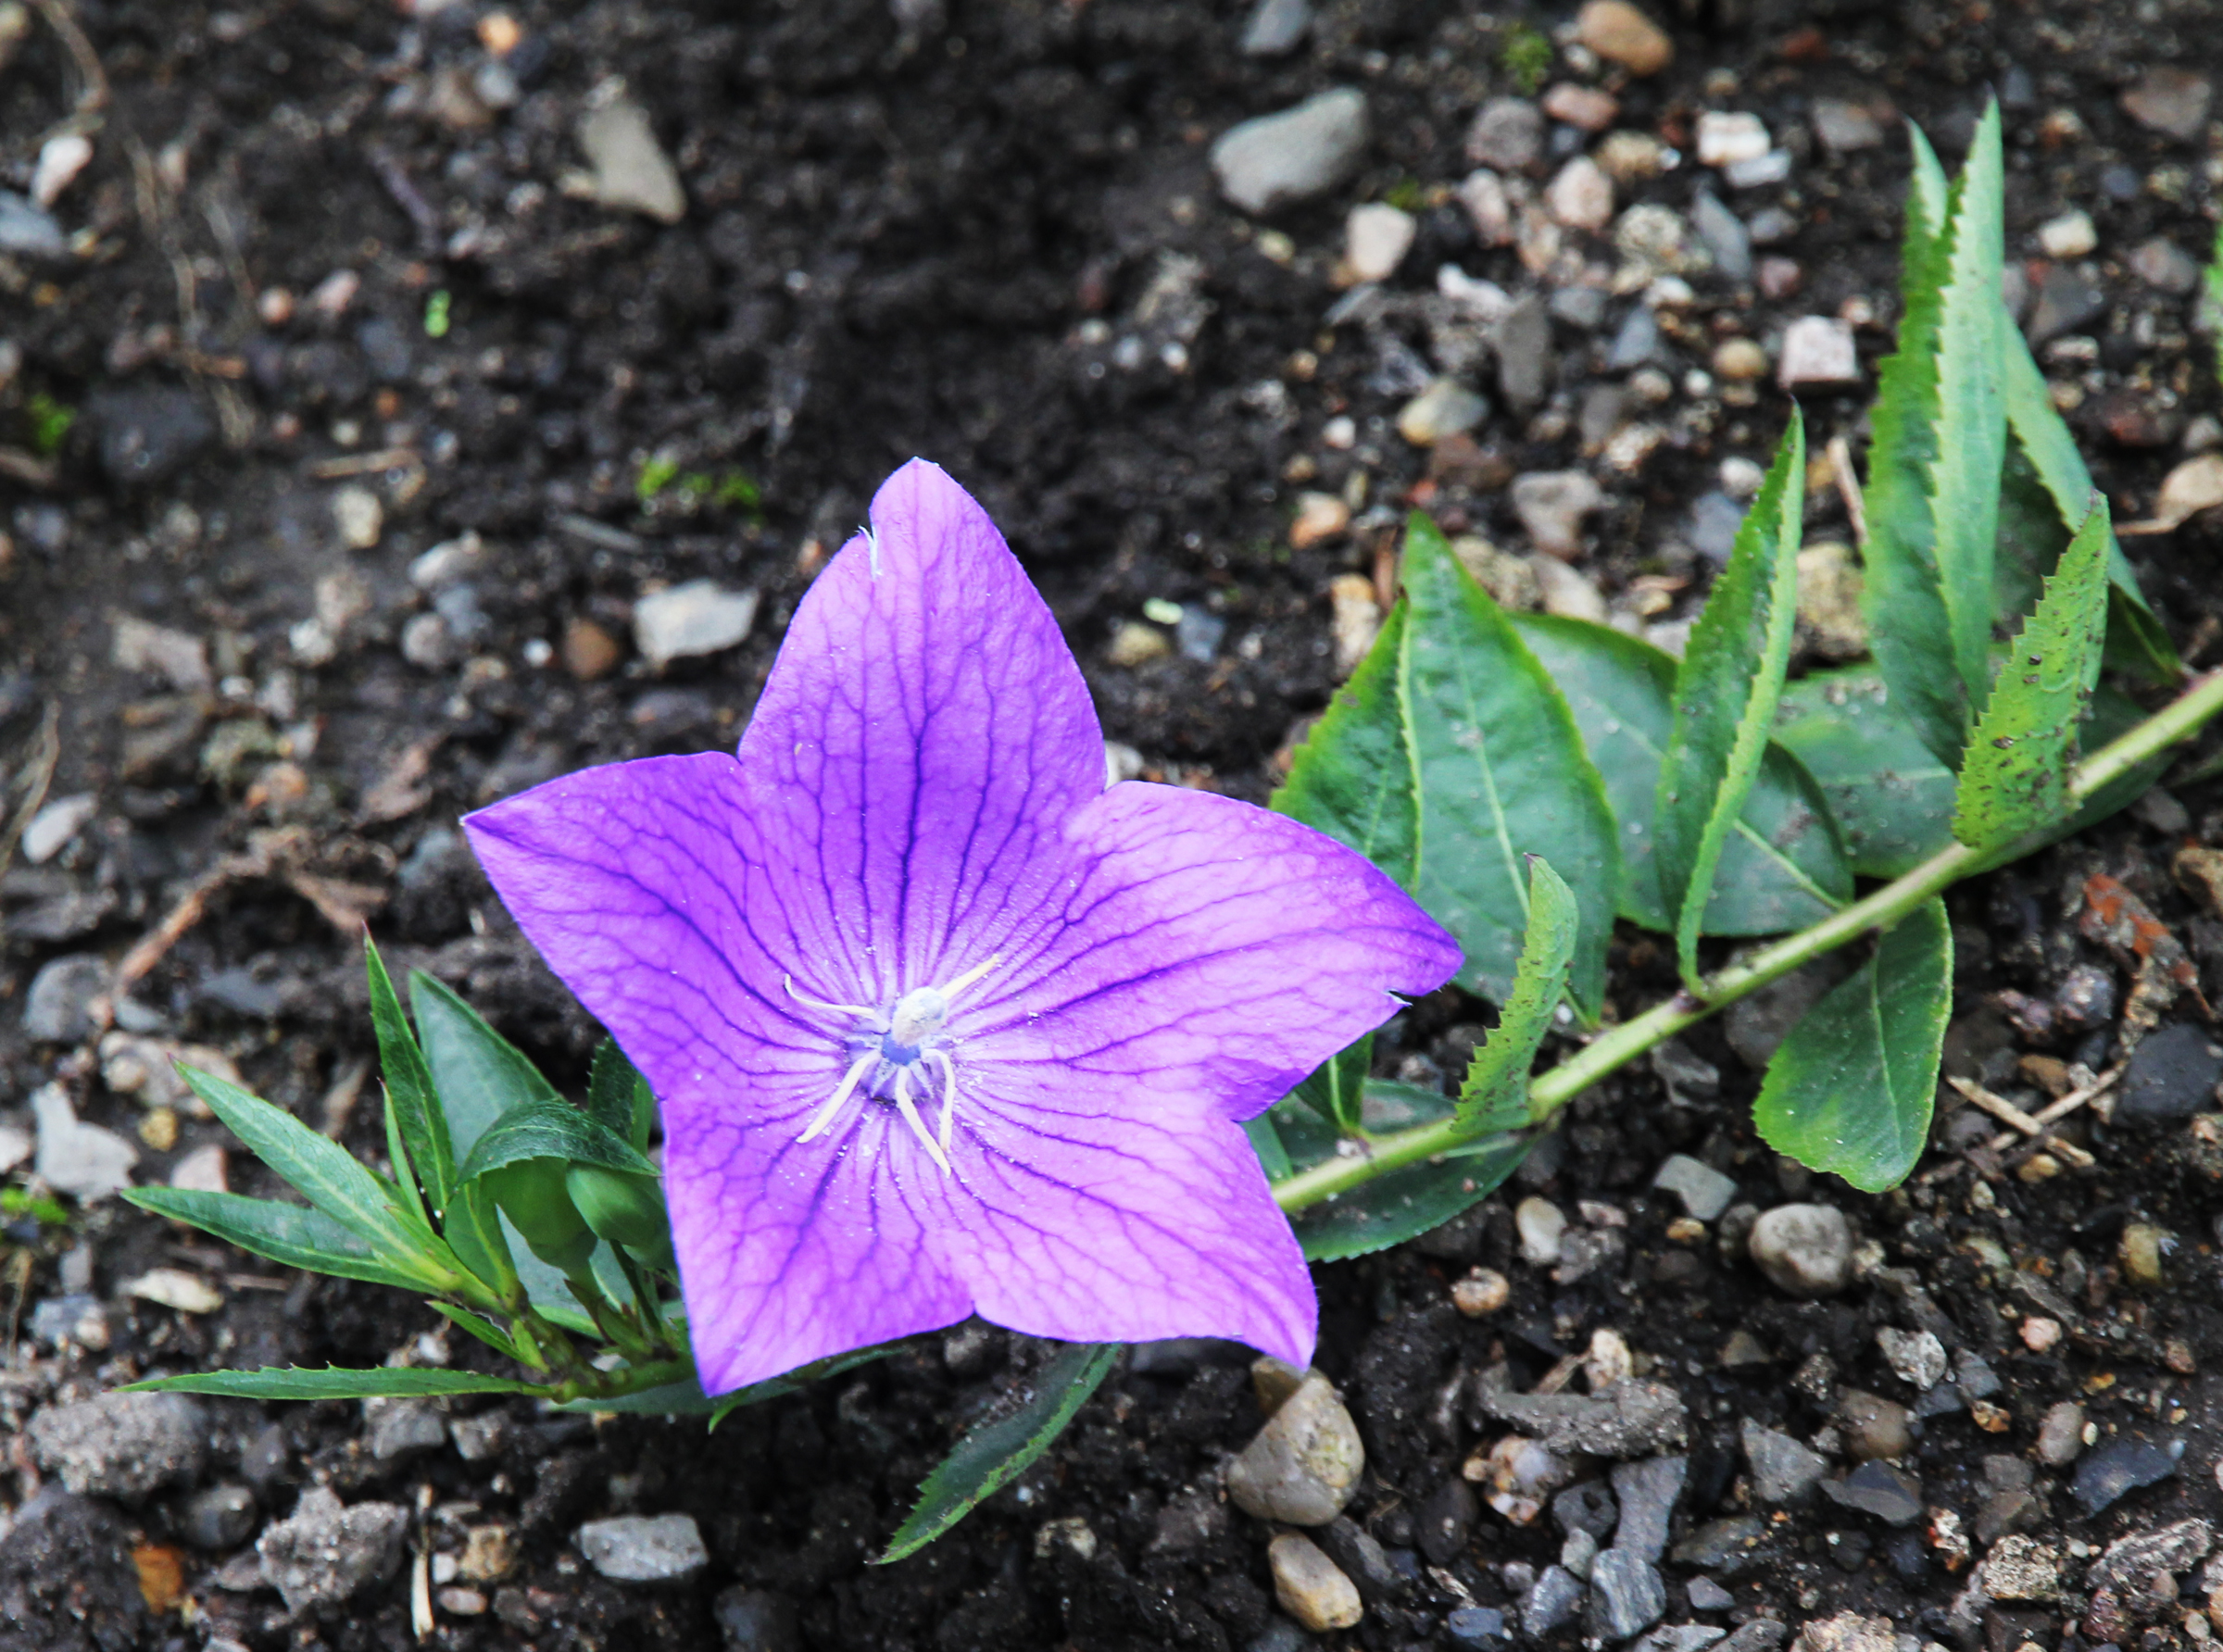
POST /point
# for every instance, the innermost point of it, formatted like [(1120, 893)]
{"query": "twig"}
[(2000, 1108), (40, 770), (94, 93), (1847, 486), (363, 464), (339, 1100), (2067, 1103)]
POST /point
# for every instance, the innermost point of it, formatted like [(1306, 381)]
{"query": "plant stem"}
[(1617, 1046), (632, 1379)]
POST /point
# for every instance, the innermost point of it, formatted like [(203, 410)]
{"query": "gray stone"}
[(758, 1620), (1443, 1519), (1974, 1378), (1628, 1595), (1445, 409), (1360, 1558), (79, 1160), (1783, 1470), (1762, 1635), (696, 618), (1848, 1631), (327, 1553), (58, 1007), (2161, 263), (1818, 352), (1917, 1357), (2171, 101), (1276, 27), (2133, 1565), (1198, 633), (1586, 1507), (2020, 1569), (2061, 1435), (2123, 1464), (1279, 1635), (403, 1428), (149, 432), (52, 827), (1726, 1546), (121, 1446), (1577, 1553), (2173, 1075), (1507, 133), (1805, 1250), (1551, 506), (1188, 1522), (1704, 1191), (1636, 342), (1551, 1600), (2066, 300), (1874, 1427), (644, 1549), (1691, 1080), (220, 1518), (1476, 1629), (1845, 126), (1631, 1418), (1647, 1492), (1524, 342), (27, 229), (1305, 1465), (1277, 160), (1582, 307), (632, 174), (1687, 1637), (1706, 1596), (1724, 235), (1713, 524), (1888, 1494)]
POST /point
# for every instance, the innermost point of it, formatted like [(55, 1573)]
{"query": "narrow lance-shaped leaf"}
[(994, 1455), (1726, 693), (1849, 1093), (1926, 202), (333, 1382), (409, 1096), (292, 1235), (1784, 867), (1495, 1095), (1502, 773), (2015, 775), (1972, 417), (478, 1073)]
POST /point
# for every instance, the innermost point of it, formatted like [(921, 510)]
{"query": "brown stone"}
[(1618, 32), (589, 652)]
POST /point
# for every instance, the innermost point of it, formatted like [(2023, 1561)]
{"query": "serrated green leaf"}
[(994, 1455), (795, 1382), (1725, 695), (1353, 777), (1849, 1092), (549, 1127), (1890, 795), (2015, 776), (293, 1235), (1783, 867), (332, 1382), (409, 1096), (478, 1075), (1502, 772), (618, 1097), (1495, 1094), (1964, 477), (2136, 640), (329, 1177), (1407, 1203), (1926, 201)]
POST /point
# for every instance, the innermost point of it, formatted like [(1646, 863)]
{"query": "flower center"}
[(888, 1048)]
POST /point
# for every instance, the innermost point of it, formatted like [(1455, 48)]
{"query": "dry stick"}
[(2000, 1108), (1847, 486), (58, 16)]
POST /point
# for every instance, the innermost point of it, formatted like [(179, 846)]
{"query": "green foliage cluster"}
[(660, 478), (1526, 57)]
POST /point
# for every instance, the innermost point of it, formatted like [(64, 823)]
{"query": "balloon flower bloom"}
[(938, 1023)]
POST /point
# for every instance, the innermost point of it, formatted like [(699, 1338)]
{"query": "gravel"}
[(2123, 1464), (1310, 1587), (1305, 1465), (1705, 1193), (1278, 160), (1628, 1595), (690, 620), (1647, 1492), (1783, 1470), (644, 1549), (328, 1552), (122, 1445), (1805, 1250)]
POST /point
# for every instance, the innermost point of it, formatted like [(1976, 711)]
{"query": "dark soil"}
[(905, 223)]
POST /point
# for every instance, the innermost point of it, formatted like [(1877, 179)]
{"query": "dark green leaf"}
[(1353, 776), (549, 1127), (618, 1097), (795, 1381), (1725, 696), (329, 1177), (1407, 1203), (479, 1326), (293, 1235), (1850, 1091), (478, 1073), (994, 1455), (2014, 778), (1502, 773), (1782, 868), (409, 1096), (2136, 641), (1495, 1095), (1266, 1141), (1890, 793), (295, 1383), (1333, 1090)]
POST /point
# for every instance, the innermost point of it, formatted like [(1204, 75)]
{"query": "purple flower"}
[(938, 1024)]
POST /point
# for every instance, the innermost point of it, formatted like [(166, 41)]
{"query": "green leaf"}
[(1495, 1095), (1725, 695), (795, 1381), (473, 1230), (1850, 1091), (1266, 1141), (2136, 640), (1405, 1203), (1890, 795), (618, 1097), (1925, 199), (405, 1174), (294, 1381), (478, 1075), (994, 1455), (1501, 773), (1782, 868), (1353, 776), (293, 1235), (329, 1177), (549, 1127), (1964, 477), (479, 1326), (2015, 776), (410, 1099), (1334, 1088)]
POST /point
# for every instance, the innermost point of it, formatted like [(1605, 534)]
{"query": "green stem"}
[(631, 1379), (1617, 1046)]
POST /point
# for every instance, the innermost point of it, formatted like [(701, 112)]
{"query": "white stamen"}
[(850, 1081), (788, 981), (905, 1105), (949, 1094), (970, 976)]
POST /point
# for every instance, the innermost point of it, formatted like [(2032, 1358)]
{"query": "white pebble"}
[(2069, 236), (1724, 139)]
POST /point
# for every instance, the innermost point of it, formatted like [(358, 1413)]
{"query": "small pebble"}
[(1507, 133), (1543, 1227), (2142, 1250), (1917, 1357), (1552, 504), (695, 617), (1583, 107), (1706, 1596), (2038, 1335), (1445, 409), (2122, 1465), (1279, 159), (2061, 1433), (1305, 1465), (1740, 360), (2071, 235), (1318, 516), (1874, 1427), (1619, 32), (1481, 1292), (641, 1548), (1805, 1250), (1705, 1193), (1310, 1587), (1580, 196), (1723, 137), (1376, 239), (1817, 350), (359, 518)]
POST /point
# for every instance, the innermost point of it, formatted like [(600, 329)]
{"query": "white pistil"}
[(908, 1108), (850, 1081), (949, 1094), (788, 981)]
